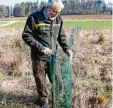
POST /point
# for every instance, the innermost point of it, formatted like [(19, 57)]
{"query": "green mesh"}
[(61, 75), (61, 81)]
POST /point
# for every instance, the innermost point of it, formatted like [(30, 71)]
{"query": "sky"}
[(12, 2)]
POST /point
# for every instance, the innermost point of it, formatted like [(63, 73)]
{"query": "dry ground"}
[(64, 17), (92, 64)]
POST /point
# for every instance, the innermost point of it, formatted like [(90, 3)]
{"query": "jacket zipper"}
[(51, 38)]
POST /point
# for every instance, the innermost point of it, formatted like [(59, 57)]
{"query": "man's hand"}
[(70, 54), (46, 51)]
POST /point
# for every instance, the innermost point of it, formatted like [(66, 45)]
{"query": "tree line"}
[(76, 7)]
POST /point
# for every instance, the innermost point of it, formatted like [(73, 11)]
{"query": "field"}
[(92, 63), (3, 23), (83, 24), (87, 17), (72, 17)]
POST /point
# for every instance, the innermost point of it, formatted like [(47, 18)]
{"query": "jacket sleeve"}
[(62, 39), (28, 34)]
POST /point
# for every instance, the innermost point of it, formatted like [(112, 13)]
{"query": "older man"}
[(43, 30)]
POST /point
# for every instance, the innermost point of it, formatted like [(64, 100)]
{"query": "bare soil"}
[(65, 17)]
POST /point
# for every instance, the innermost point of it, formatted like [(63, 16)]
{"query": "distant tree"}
[(71, 7), (17, 12), (4, 11)]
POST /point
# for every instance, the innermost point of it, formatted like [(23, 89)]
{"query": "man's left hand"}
[(70, 54)]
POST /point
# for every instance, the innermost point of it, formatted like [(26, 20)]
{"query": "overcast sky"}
[(12, 2)]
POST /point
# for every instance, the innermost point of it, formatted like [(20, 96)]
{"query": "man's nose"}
[(54, 14)]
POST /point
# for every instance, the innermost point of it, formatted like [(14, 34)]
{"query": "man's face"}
[(52, 12)]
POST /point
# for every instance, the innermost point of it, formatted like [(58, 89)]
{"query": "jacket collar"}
[(43, 14)]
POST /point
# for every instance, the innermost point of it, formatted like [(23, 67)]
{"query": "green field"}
[(3, 23), (89, 24), (17, 25), (83, 24)]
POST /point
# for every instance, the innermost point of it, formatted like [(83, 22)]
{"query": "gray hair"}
[(57, 3)]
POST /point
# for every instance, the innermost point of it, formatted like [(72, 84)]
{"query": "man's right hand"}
[(47, 51)]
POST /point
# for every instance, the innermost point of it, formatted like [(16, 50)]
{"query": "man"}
[(43, 29)]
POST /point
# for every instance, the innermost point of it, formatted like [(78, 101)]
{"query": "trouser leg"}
[(39, 71)]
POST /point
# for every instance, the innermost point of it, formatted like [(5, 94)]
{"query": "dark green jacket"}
[(39, 31)]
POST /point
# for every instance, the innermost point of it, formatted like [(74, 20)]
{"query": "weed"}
[(101, 39)]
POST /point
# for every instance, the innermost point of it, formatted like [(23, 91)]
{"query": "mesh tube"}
[(61, 81), (61, 75)]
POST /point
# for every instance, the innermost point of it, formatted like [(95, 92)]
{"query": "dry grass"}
[(91, 66)]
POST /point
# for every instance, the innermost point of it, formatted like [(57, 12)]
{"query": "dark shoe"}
[(37, 102), (44, 105)]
